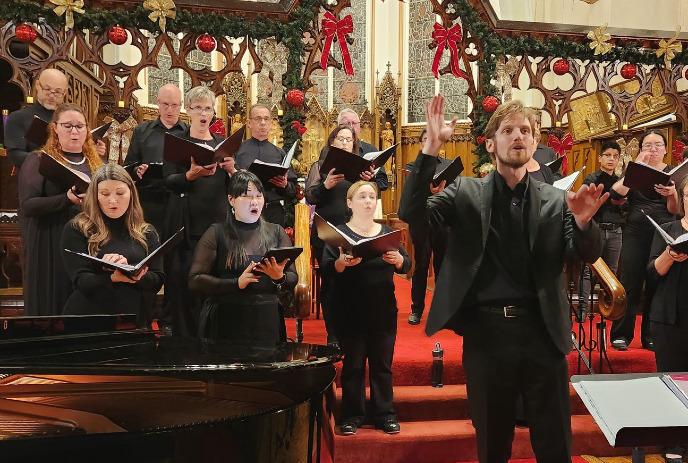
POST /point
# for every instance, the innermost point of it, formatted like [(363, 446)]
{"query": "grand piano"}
[(95, 388)]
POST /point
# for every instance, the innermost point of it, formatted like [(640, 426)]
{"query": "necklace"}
[(76, 163)]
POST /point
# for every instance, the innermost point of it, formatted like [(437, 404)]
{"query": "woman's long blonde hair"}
[(91, 223), (52, 145)]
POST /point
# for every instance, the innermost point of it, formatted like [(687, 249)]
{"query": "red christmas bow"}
[(300, 128), (561, 146), (677, 151), (447, 38), (342, 28)]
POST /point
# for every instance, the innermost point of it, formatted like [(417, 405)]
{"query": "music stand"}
[(634, 410)]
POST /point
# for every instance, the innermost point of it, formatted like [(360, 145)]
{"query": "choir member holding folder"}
[(364, 308), (259, 148), (637, 240), (111, 227), (46, 205), (197, 201), (669, 311), (241, 287)]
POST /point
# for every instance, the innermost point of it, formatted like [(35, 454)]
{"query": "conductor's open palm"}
[(585, 202)]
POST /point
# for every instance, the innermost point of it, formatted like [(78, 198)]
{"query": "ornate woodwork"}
[(11, 250), (388, 111)]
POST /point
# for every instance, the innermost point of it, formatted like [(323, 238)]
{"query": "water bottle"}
[(437, 366)]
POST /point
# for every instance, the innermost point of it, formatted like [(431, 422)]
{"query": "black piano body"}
[(95, 388)]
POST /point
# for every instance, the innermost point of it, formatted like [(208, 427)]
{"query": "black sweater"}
[(670, 300), (94, 291)]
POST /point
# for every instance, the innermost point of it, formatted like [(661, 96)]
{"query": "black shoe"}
[(620, 344), (414, 319), (648, 344), (390, 426), (348, 428)]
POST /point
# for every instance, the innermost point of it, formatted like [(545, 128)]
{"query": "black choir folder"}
[(367, 247), (63, 175), (180, 150), (266, 170), (37, 132), (449, 173), (131, 270), (556, 164), (154, 170), (351, 165), (679, 244), (643, 178), (290, 253)]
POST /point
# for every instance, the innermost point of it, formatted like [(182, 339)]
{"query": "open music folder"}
[(267, 170), (367, 247), (180, 150), (678, 244), (63, 175), (449, 173), (352, 165), (37, 133), (643, 178), (129, 269)]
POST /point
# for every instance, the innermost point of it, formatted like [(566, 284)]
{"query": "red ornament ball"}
[(206, 43), (490, 103), (117, 35), (295, 97), (561, 67), (25, 33), (629, 70)]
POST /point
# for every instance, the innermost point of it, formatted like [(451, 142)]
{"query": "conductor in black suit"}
[(501, 284)]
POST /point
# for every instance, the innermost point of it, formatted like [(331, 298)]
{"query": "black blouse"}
[(670, 301), (247, 315), (94, 291), (363, 297)]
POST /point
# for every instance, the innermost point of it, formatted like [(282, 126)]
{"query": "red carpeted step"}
[(426, 403), (449, 441)]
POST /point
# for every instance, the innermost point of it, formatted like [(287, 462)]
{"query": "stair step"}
[(426, 403), (449, 441)]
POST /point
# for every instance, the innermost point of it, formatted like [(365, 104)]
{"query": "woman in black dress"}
[(197, 201), (637, 240), (241, 291), (112, 228), (365, 311), (45, 207), (669, 308)]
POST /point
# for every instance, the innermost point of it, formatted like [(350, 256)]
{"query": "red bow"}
[(677, 151), (330, 27), (447, 38), (298, 127), (561, 146)]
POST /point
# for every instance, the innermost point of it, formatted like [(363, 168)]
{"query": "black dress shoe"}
[(620, 344), (348, 428), (648, 344), (390, 426), (414, 319)]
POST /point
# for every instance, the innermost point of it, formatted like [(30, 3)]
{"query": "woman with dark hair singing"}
[(112, 228), (241, 291), (45, 207)]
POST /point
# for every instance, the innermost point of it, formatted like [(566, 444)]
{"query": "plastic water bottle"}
[(437, 366)]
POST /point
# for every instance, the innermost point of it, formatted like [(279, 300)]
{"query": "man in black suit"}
[(501, 284)]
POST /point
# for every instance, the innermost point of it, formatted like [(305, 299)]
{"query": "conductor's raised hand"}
[(272, 268), (438, 130), (585, 202), (247, 277)]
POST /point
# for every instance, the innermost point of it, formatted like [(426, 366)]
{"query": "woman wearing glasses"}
[(45, 207), (242, 293), (196, 202), (637, 240)]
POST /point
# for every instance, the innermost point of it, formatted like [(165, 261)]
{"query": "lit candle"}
[(120, 104), (624, 127), (280, 112), (29, 99), (558, 123)]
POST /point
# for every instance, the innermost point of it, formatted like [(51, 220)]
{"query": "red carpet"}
[(435, 427)]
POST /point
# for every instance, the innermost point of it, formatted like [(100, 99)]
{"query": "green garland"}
[(494, 46)]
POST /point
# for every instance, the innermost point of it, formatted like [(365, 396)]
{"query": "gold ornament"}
[(600, 39), (161, 10), (68, 8), (670, 48)]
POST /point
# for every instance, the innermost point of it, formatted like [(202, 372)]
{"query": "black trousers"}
[(378, 349), (427, 241), (505, 357), (671, 345), (181, 306), (317, 248), (635, 253)]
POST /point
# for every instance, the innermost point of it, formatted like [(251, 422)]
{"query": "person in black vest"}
[(111, 227), (610, 218), (426, 242), (637, 240), (501, 284), (146, 148), (197, 201), (259, 148)]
